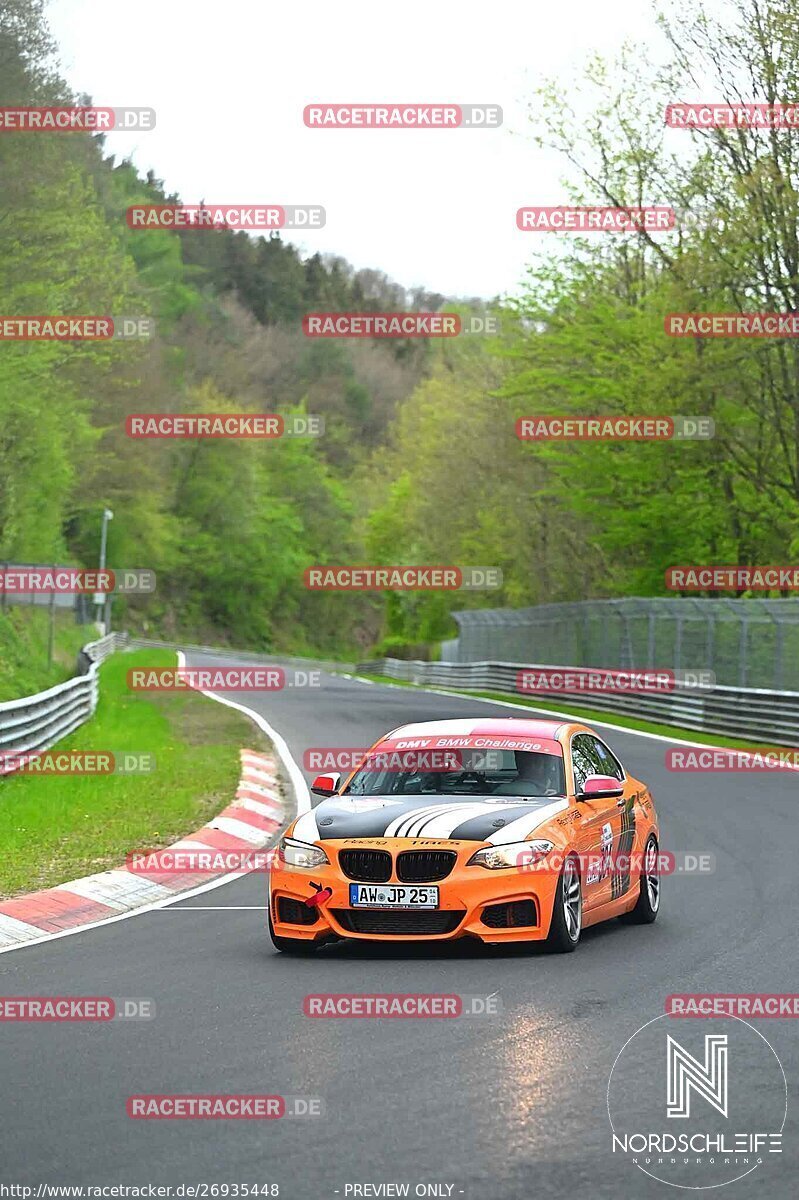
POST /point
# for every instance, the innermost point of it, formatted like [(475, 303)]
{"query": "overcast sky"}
[(229, 82)]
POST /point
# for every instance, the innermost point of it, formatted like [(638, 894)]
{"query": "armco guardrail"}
[(752, 714), (37, 722)]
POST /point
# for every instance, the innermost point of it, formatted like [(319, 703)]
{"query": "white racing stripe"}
[(443, 826), (439, 820), (306, 829), (446, 813), (518, 830), (401, 826)]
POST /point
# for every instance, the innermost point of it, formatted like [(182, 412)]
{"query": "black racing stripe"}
[(435, 816), (485, 824), (620, 882)]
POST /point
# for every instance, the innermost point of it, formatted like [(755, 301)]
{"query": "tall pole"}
[(107, 516), (51, 632)]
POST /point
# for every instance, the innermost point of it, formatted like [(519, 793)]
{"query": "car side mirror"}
[(326, 785), (601, 787)]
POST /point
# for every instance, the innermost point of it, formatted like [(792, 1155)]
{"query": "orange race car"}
[(507, 830)]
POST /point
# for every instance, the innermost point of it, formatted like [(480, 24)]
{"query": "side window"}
[(607, 763), (582, 764)]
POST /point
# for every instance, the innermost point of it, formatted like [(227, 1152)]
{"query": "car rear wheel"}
[(567, 911), (290, 945), (648, 904)]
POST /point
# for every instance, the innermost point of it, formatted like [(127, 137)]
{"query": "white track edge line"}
[(301, 793)]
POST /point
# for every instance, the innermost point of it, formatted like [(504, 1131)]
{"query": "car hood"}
[(496, 819)]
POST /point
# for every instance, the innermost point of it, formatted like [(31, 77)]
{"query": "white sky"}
[(229, 82)]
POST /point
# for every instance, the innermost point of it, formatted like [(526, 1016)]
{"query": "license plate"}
[(389, 895)]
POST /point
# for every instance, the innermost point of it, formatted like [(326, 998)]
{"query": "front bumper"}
[(465, 895)]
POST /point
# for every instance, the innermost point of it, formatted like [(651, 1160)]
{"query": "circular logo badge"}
[(697, 1103)]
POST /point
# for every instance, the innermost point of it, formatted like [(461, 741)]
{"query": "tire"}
[(567, 911), (290, 945), (648, 904)]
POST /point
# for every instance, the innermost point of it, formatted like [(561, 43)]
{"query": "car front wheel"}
[(648, 904), (567, 911)]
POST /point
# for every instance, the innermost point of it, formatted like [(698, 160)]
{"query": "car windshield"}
[(521, 773)]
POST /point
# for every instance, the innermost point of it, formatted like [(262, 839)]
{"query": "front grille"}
[(424, 866), (294, 912), (369, 866), (508, 916), (398, 923)]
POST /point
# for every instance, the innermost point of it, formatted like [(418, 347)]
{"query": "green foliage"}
[(419, 462), (24, 638), (228, 527)]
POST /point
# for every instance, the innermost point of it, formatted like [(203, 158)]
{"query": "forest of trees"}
[(420, 462)]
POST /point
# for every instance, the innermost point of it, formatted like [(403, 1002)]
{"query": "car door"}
[(601, 824), (622, 817)]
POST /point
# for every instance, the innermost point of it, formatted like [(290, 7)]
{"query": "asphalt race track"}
[(510, 1106)]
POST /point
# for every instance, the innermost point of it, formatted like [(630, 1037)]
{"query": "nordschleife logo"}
[(686, 1074), (700, 1111)]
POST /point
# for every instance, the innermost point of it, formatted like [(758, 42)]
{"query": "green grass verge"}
[(24, 633), (588, 715), (55, 828)]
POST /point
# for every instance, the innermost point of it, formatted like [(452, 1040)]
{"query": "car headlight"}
[(302, 854), (515, 854)]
